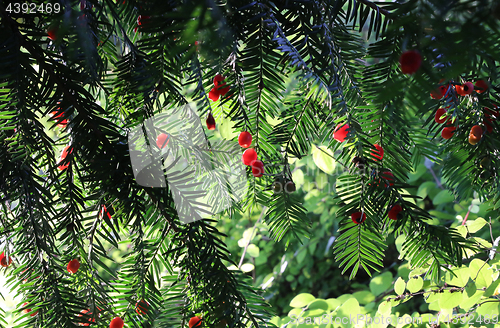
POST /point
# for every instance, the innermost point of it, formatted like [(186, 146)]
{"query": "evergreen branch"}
[(375, 7)]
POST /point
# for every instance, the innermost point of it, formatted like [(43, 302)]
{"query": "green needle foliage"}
[(296, 70)]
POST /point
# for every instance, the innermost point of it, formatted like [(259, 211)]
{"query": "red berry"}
[(340, 132), (223, 91), (214, 94), (379, 153), (477, 131), (195, 322), (394, 212), (245, 139), (387, 175), (460, 90), (475, 135), (439, 92), (356, 217), (57, 117), (64, 153), (410, 61), (162, 140), (481, 86), (249, 156), (73, 266), (52, 32), (467, 88), (436, 94), (141, 307), (116, 323), (3, 260), (448, 132), (210, 122), (29, 310), (439, 113), (218, 79), (257, 168), (89, 314)]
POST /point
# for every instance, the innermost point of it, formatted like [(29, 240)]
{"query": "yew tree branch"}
[(374, 6)]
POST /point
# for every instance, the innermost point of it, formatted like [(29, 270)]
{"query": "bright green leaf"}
[(399, 286), (415, 284), (381, 283), (302, 300), (323, 158)]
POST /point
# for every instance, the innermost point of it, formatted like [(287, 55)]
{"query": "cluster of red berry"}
[(395, 212), (219, 88), (249, 156), (464, 89), (340, 134)]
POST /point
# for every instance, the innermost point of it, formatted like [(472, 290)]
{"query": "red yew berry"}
[(245, 139), (73, 266), (340, 132), (249, 156), (210, 122), (395, 212), (116, 323), (141, 307), (52, 33), (214, 94), (223, 91), (64, 153), (477, 131), (438, 118), (218, 80), (195, 322), (467, 88), (410, 61), (475, 135), (29, 310), (89, 314), (448, 132), (481, 86), (439, 92), (356, 217), (3, 260), (379, 153), (257, 168), (387, 175), (57, 117), (162, 140)]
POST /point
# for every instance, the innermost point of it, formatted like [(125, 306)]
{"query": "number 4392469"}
[(33, 8)]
